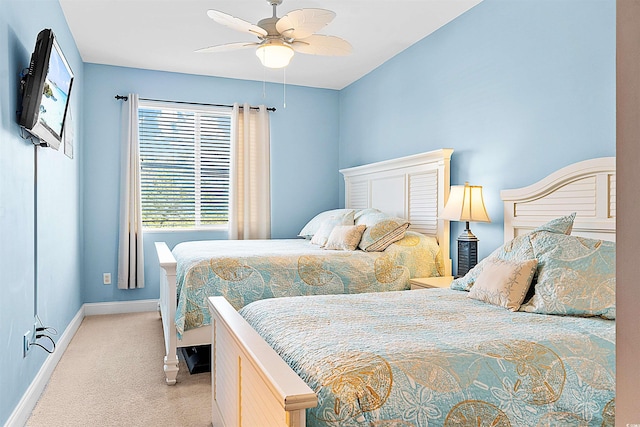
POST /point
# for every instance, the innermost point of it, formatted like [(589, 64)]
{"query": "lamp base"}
[(467, 251)]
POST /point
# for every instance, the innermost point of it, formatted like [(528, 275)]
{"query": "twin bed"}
[(445, 356), (412, 188)]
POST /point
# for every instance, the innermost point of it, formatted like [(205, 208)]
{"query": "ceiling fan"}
[(278, 38)]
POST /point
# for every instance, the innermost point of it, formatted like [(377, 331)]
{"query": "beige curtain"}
[(130, 258), (250, 196)]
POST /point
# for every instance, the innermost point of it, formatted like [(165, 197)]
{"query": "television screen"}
[(46, 91)]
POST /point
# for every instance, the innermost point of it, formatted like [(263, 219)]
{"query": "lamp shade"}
[(274, 54), (465, 204)]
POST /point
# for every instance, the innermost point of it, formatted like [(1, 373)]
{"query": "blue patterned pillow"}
[(576, 276), (518, 249), (562, 225)]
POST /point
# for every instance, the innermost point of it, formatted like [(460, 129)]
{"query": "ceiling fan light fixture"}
[(279, 38), (274, 54)]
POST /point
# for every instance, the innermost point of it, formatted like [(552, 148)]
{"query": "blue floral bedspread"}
[(435, 357), (244, 271)]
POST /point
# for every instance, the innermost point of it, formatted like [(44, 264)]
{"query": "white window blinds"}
[(184, 161)]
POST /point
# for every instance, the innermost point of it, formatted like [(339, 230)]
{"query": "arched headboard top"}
[(413, 187), (587, 188)]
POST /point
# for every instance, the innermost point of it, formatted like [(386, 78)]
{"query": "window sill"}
[(222, 228)]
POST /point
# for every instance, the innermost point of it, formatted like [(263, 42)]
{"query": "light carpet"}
[(112, 375)]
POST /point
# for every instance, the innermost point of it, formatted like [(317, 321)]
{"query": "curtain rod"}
[(125, 98)]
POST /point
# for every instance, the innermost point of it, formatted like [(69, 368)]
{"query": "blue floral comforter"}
[(244, 271), (435, 357)]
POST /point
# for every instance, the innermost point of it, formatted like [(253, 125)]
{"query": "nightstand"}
[(430, 282)]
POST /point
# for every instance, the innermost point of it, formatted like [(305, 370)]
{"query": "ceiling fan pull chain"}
[(264, 83), (284, 88)]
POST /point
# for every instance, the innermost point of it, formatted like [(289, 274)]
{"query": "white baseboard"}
[(23, 410), (92, 309)]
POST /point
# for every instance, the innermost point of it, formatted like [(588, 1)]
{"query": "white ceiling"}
[(163, 34)]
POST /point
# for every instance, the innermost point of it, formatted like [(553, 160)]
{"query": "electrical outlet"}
[(106, 278), (26, 343)]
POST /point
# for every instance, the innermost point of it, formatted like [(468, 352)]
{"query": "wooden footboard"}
[(251, 384)]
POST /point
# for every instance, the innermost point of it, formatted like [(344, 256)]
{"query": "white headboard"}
[(413, 187), (587, 188)]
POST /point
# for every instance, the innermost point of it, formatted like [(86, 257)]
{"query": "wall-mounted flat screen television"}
[(46, 88)]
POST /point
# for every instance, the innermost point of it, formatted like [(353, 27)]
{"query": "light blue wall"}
[(517, 88), (59, 225), (304, 161)]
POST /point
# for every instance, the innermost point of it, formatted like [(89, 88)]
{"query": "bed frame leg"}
[(171, 369), (167, 310)]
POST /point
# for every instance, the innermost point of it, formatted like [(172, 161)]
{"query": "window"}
[(184, 162)]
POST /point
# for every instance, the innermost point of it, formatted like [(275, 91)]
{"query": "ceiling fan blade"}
[(235, 23), (227, 47), (318, 44), (301, 23)]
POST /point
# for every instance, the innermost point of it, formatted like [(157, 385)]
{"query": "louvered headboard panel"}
[(423, 201), (413, 187), (587, 188)]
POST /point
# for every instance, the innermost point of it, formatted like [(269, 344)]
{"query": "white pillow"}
[(321, 236), (315, 223)]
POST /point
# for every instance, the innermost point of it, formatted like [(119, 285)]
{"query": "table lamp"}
[(465, 203)]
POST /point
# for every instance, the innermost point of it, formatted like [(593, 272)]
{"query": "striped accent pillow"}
[(379, 236)]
